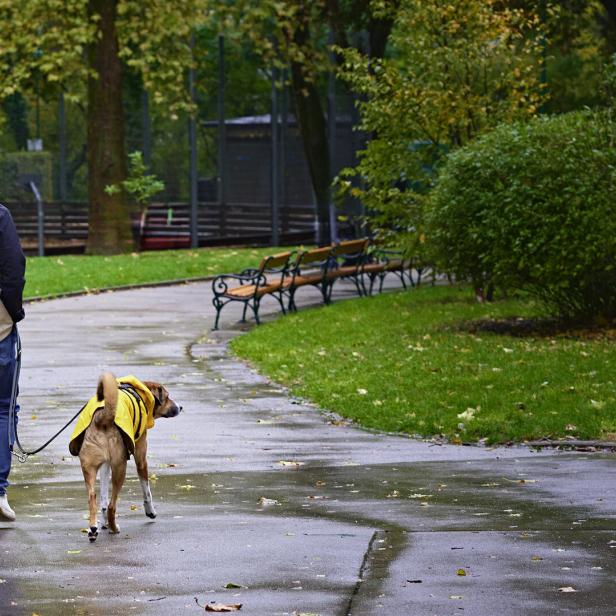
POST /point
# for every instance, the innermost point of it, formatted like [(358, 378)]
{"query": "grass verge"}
[(401, 362), (74, 273)]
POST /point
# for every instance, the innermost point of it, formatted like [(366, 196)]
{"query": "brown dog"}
[(112, 426)]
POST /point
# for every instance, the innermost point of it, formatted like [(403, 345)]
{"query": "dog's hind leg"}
[(89, 475), (118, 474), (144, 480), (104, 478)]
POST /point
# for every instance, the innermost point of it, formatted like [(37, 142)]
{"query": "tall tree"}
[(454, 72), (83, 47), (294, 34)]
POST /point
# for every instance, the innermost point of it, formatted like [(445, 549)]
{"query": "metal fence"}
[(167, 225)]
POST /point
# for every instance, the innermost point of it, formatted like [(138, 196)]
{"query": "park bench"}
[(321, 267), (251, 285), (382, 261), (282, 275)]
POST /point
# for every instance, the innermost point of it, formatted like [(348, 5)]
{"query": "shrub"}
[(532, 206)]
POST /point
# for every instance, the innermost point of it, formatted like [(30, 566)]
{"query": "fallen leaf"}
[(536, 558), (73, 551), (266, 502), (134, 507), (290, 463), (461, 572), (232, 585), (221, 607), (468, 414)]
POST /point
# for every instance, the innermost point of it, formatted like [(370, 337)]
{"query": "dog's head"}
[(164, 406)]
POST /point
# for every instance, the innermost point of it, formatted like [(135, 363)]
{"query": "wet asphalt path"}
[(257, 490)]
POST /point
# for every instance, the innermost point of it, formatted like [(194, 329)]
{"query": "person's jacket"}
[(134, 415), (12, 267)]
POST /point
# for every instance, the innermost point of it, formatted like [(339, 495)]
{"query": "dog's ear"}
[(157, 390)]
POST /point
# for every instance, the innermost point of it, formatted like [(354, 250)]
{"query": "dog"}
[(111, 427)]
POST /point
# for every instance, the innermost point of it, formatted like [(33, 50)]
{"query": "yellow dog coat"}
[(134, 414)]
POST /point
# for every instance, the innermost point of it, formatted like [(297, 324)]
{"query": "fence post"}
[(331, 137), (147, 131), (192, 140), (275, 175), (222, 140)]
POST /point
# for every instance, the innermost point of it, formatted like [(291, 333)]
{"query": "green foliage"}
[(47, 40), (531, 206), (139, 184), (455, 71), (579, 45), (400, 362)]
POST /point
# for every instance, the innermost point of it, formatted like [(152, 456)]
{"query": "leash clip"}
[(22, 457)]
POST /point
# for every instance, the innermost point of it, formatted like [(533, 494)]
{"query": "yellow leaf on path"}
[(73, 551), (461, 572)]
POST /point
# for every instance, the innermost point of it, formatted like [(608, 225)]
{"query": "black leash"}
[(22, 454)]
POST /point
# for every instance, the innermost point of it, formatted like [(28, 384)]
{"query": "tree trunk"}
[(109, 228), (310, 113), (313, 129)]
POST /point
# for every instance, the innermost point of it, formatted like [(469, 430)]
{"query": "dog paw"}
[(104, 524), (93, 533), (149, 510), (114, 530)]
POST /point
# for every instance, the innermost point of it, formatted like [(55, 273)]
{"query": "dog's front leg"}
[(144, 480), (104, 478)]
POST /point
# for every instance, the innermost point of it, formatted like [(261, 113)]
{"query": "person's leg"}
[(7, 371)]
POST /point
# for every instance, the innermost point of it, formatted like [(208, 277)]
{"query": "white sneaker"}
[(6, 513)]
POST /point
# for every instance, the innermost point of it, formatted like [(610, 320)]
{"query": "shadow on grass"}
[(534, 327)]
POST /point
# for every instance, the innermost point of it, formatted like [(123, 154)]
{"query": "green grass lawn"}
[(400, 362), (68, 273)]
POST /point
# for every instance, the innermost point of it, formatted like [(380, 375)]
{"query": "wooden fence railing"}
[(168, 225)]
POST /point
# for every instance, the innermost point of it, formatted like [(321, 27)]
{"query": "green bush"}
[(532, 206)]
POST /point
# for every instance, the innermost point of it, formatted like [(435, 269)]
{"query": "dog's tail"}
[(108, 391)]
